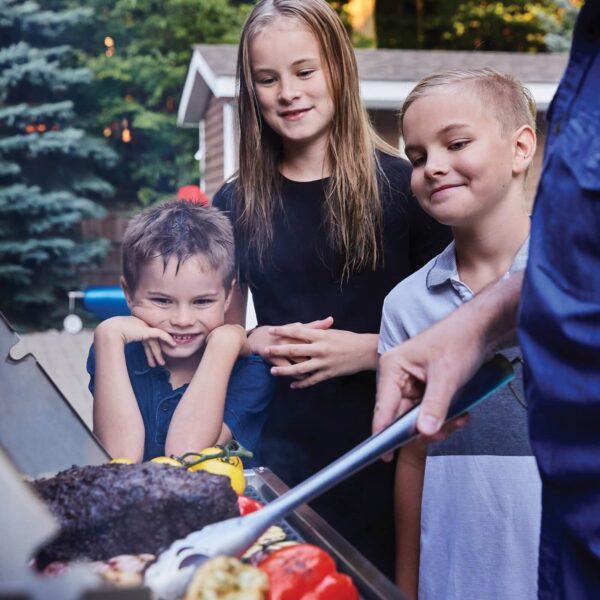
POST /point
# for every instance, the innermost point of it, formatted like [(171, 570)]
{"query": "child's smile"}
[(461, 160), (291, 83), (181, 339), (187, 301)]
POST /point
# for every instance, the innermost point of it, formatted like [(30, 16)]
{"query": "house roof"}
[(386, 76)]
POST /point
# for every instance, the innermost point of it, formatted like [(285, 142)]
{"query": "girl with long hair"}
[(325, 226)]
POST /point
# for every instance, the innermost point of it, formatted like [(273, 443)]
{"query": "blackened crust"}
[(117, 509)]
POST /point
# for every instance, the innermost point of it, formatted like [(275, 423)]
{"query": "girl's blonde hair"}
[(353, 207), (510, 101)]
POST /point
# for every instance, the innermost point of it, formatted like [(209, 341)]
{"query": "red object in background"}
[(248, 505), (305, 572), (193, 194)]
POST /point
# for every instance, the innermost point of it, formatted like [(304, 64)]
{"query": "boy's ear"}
[(524, 146), (126, 291)]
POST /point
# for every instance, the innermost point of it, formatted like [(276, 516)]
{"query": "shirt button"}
[(165, 408)]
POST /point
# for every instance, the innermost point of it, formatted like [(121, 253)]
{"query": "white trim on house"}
[(229, 146), (200, 83), (389, 95), (225, 87), (201, 154)]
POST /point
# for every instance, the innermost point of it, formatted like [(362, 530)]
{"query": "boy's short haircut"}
[(179, 229), (509, 99)]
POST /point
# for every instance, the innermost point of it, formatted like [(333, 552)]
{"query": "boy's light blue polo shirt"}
[(480, 512), (429, 295), (248, 395)]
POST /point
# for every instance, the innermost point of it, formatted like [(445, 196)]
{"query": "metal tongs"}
[(169, 576)]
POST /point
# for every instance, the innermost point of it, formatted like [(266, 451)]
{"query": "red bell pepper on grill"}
[(248, 505), (305, 572), (335, 586)]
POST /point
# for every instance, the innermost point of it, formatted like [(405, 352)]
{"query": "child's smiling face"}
[(291, 83), (462, 161), (187, 302)]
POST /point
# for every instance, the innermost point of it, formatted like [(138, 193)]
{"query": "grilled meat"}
[(115, 509)]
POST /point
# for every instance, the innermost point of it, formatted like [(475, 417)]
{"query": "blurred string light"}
[(125, 132), (119, 129), (37, 128), (123, 127), (109, 43)]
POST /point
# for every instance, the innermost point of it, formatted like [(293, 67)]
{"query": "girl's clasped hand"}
[(315, 353)]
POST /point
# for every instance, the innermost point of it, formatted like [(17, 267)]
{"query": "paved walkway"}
[(63, 356)]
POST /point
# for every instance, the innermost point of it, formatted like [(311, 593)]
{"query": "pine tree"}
[(50, 169), (139, 52)]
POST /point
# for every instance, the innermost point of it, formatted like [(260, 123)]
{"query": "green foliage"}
[(559, 24), (138, 79), (51, 170), (519, 25)]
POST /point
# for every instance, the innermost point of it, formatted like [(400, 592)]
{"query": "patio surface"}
[(63, 356)]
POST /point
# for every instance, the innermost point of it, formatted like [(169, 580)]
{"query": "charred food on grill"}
[(115, 509)]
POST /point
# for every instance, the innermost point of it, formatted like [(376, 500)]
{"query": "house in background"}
[(386, 77)]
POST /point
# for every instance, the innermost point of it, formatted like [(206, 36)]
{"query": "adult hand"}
[(262, 338), (323, 353), (132, 329), (433, 365)]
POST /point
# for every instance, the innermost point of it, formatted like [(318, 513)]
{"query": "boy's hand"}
[(231, 336), (131, 329)]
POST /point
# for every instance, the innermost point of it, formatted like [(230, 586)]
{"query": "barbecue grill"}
[(40, 433)]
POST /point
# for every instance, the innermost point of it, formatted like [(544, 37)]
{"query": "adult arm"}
[(117, 419), (433, 365), (198, 419)]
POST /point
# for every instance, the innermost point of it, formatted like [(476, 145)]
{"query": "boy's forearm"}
[(117, 419), (198, 419), (408, 492)]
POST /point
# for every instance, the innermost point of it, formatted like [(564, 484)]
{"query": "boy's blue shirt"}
[(249, 392)]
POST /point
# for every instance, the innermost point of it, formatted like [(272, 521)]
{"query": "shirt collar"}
[(445, 269), (145, 368)]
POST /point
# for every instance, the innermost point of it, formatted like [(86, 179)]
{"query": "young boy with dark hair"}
[(173, 377), (467, 508)]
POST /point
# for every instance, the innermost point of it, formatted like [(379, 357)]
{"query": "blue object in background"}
[(105, 301)]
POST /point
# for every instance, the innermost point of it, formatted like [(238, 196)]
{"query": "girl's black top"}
[(300, 279)]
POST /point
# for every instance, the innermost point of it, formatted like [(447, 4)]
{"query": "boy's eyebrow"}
[(209, 293), (442, 131), (453, 126)]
